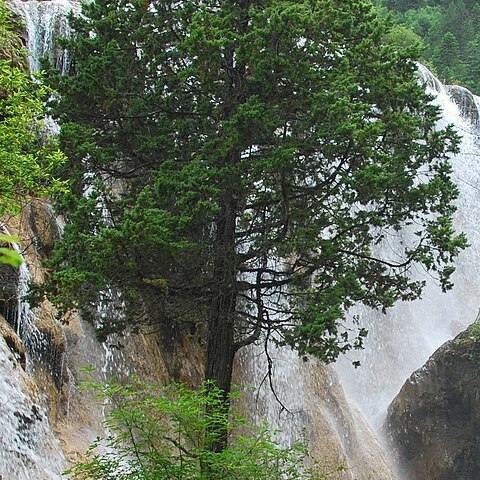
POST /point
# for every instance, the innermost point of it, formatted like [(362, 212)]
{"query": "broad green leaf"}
[(10, 257)]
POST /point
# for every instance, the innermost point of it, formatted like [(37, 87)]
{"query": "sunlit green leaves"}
[(28, 156), (164, 433), (8, 256)]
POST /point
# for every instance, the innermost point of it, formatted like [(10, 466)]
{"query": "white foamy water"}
[(28, 448), (402, 340), (304, 401), (45, 21)]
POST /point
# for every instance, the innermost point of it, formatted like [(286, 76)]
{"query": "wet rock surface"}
[(28, 447), (306, 400), (434, 422)]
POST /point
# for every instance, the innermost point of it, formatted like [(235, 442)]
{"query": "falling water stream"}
[(28, 447), (44, 22), (402, 340), (308, 399)]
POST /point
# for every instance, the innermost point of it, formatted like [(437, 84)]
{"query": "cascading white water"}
[(45, 21), (304, 401), (403, 339), (24, 319), (28, 447)]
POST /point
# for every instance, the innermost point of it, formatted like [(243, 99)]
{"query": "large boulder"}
[(434, 422)]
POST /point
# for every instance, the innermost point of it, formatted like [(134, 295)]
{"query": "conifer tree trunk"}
[(219, 358), (220, 351)]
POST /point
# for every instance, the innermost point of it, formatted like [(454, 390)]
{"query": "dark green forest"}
[(449, 31)]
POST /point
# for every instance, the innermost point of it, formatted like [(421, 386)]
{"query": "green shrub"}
[(164, 433)]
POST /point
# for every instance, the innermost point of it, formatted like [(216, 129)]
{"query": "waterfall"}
[(44, 22), (304, 401), (402, 340), (21, 318), (308, 399), (28, 447)]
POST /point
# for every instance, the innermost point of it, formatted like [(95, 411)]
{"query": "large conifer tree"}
[(240, 163)]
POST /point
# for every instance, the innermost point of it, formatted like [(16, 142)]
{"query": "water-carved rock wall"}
[(47, 420)]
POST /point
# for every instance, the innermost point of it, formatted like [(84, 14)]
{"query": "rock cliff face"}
[(434, 422)]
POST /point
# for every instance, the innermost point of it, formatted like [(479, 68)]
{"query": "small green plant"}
[(468, 342), (165, 433), (28, 157), (472, 339), (8, 256)]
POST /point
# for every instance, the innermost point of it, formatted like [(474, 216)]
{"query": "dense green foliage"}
[(163, 433), (450, 30), (243, 164), (27, 156)]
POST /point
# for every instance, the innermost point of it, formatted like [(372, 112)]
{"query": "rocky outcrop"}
[(43, 225), (13, 342), (434, 422)]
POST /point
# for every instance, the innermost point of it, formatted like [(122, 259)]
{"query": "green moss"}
[(160, 283), (469, 341)]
